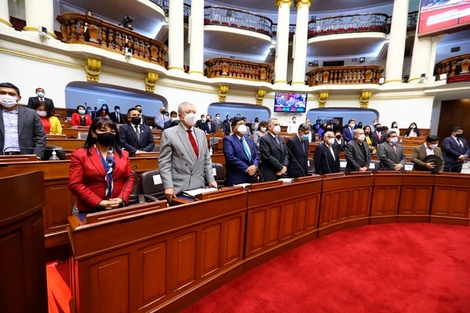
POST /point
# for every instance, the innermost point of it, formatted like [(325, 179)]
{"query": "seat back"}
[(151, 184), (219, 173)]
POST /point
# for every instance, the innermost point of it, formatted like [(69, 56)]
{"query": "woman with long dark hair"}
[(100, 172), (80, 117), (412, 131)]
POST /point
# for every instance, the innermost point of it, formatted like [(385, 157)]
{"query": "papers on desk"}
[(286, 180), (192, 193), (242, 185)]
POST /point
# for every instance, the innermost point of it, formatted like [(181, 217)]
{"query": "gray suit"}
[(418, 155), (178, 165), (388, 157), (356, 156), (31, 135)]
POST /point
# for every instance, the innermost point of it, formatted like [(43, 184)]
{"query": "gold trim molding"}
[(7, 23), (322, 98), (298, 3), (279, 2), (260, 96), (223, 91), (36, 29), (150, 81), (364, 99), (93, 69)]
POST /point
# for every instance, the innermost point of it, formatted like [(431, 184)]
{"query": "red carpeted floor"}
[(415, 268)]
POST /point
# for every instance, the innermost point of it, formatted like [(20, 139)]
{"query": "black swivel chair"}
[(151, 185)]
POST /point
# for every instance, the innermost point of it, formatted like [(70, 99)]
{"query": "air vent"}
[(454, 49)]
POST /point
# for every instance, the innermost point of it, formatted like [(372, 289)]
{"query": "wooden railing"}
[(239, 69), (79, 28), (367, 74), (454, 66)]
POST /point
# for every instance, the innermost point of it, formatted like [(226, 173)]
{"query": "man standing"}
[(174, 120), (348, 131), (391, 154), (218, 122), (357, 152), (273, 151), (227, 126), (456, 150), (377, 136), (241, 155), (144, 117), (40, 96), (161, 118), (21, 130), (116, 116), (184, 158), (327, 155), (422, 151), (134, 137), (208, 126), (297, 146)]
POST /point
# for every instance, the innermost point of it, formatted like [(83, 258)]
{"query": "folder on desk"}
[(192, 193)]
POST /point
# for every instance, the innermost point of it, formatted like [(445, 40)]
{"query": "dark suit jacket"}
[(324, 162), (273, 156), (388, 157), (355, 156), (348, 134), (452, 151), (418, 155), (130, 142), (86, 180), (375, 138), (33, 102), (170, 123), (32, 138), (236, 161), (298, 157), (226, 127), (122, 118), (205, 127)]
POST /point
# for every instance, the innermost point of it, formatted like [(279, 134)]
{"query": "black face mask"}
[(106, 139), (338, 136), (140, 111), (136, 120), (378, 129), (459, 135)]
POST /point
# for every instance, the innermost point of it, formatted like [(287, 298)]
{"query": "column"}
[(39, 13), (396, 45), (424, 57), (4, 13), (196, 38), (176, 36), (282, 41), (300, 42)]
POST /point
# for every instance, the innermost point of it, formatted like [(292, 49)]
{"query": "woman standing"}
[(100, 173), (50, 122), (80, 117)]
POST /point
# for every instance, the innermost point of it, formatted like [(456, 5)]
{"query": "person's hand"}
[(430, 166), (117, 201), (462, 158), (170, 194), (251, 170), (139, 152), (213, 184), (398, 167), (108, 204), (363, 169), (282, 171)]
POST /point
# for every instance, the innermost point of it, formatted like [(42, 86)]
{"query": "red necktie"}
[(193, 142)]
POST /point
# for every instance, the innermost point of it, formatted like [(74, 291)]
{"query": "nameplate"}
[(157, 179), (459, 78)]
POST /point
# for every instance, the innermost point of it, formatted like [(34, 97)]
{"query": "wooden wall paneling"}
[(451, 199), (209, 247), (416, 197), (182, 270), (233, 232), (386, 197)]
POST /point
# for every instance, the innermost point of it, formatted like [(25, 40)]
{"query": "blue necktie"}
[(246, 148)]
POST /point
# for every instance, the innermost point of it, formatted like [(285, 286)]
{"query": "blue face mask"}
[(305, 137), (40, 94)]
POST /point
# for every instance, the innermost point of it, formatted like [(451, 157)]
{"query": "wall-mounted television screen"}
[(445, 16), (290, 102)]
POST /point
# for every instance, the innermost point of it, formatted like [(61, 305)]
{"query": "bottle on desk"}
[(54, 156)]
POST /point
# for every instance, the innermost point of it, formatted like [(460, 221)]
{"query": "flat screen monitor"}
[(290, 102), (445, 16)]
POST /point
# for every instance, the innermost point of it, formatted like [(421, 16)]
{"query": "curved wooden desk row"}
[(162, 259)]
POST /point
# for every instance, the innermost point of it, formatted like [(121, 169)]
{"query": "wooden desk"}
[(66, 143)]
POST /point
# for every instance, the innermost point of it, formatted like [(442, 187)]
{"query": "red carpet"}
[(415, 268)]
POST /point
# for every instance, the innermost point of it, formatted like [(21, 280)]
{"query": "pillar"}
[(300, 43), (424, 57), (176, 36), (196, 38), (4, 13), (396, 45), (39, 13), (282, 41)]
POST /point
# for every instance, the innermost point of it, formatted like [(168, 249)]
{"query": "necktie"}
[(246, 148), (459, 142), (209, 126), (394, 148), (379, 134), (332, 152), (193, 142), (137, 131)]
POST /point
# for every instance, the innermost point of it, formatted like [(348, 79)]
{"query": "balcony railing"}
[(239, 69), (454, 66), (354, 23), (341, 75), (238, 19), (78, 28)]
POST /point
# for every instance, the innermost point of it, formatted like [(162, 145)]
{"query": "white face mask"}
[(361, 137), (432, 146), (331, 141), (8, 101), (190, 119), (42, 113), (263, 129), (277, 129), (174, 119), (242, 129)]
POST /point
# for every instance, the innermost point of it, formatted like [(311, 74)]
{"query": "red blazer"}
[(87, 175), (75, 121)]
